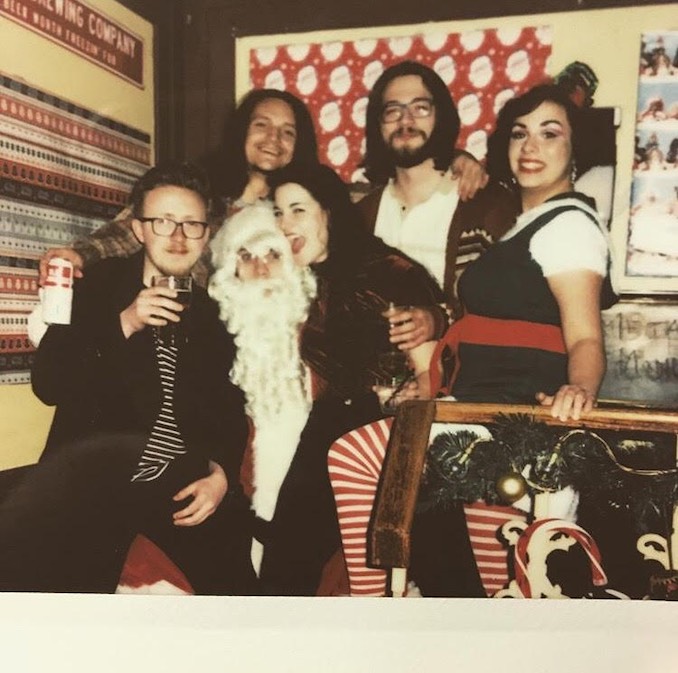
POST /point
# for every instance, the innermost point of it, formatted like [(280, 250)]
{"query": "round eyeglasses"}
[(165, 226), (417, 108)]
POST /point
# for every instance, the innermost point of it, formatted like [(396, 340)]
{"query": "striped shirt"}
[(165, 442)]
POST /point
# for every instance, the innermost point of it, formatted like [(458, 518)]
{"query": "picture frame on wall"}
[(641, 344), (651, 254)]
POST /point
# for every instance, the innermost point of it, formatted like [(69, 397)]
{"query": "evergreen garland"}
[(462, 467)]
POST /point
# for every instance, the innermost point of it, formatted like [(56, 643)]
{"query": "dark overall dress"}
[(507, 347)]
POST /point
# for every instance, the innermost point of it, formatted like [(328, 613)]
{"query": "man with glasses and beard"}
[(411, 130)]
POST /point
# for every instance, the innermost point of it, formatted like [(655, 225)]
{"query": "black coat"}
[(105, 384)]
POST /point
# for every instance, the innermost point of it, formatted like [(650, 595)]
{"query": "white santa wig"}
[(264, 315)]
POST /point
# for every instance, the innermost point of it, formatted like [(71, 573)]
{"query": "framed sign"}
[(641, 342)]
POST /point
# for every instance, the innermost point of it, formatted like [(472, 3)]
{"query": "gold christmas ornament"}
[(511, 487)]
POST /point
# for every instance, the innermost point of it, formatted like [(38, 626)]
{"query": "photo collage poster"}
[(652, 248)]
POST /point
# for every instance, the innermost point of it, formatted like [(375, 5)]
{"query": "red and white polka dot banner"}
[(482, 68)]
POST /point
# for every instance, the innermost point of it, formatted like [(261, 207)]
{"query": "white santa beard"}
[(275, 444), (268, 366), (265, 317)]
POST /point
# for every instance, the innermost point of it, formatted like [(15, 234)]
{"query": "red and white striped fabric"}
[(483, 521), (354, 462), (549, 526)]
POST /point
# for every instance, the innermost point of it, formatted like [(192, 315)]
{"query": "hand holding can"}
[(57, 297)]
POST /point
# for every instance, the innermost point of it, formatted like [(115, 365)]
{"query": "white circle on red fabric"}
[(472, 39), (365, 47), (337, 151), (476, 143), (509, 35), (518, 65), (266, 55), (307, 80), (481, 72), (330, 116), (358, 111), (446, 69), (469, 109), (371, 73), (298, 52), (399, 46), (501, 98), (340, 80), (331, 51), (435, 41), (275, 80)]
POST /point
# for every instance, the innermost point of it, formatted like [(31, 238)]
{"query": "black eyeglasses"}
[(418, 108), (164, 226)]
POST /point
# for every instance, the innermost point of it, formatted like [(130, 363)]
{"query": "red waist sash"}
[(478, 329)]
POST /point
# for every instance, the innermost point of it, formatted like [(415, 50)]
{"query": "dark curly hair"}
[(170, 174), (378, 162), (228, 166), (497, 145)]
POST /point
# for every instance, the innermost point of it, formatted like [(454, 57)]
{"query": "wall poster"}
[(652, 246), (64, 170)]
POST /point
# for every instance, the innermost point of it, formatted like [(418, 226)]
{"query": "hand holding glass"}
[(184, 288), (393, 366)]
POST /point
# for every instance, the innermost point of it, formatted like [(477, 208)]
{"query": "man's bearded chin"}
[(406, 157)]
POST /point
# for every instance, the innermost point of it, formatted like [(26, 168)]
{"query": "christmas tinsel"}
[(462, 467)]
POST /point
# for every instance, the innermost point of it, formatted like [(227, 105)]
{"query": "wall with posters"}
[(76, 128)]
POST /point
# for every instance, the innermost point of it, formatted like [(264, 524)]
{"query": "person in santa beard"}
[(302, 288), (264, 300)]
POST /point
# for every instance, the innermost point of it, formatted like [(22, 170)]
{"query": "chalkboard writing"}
[(641, 341)]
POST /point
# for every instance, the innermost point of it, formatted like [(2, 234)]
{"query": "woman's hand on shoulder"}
[(569, 401)]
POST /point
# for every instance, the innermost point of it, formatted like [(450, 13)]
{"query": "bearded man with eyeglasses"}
[(149, 432), (411, 131)]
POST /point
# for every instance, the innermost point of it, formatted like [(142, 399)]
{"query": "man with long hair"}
[(268, 130), (411, 130)]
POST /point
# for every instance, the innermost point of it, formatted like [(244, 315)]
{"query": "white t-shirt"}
[(569, 242), (420, 232)]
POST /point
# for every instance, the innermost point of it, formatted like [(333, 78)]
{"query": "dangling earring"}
[(573, 172)]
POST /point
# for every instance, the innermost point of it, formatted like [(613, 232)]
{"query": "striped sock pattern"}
[(354, 463), (483, 521), (165, 442)]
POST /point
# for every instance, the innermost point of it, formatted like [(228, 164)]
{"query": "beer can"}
[(57, 297)]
